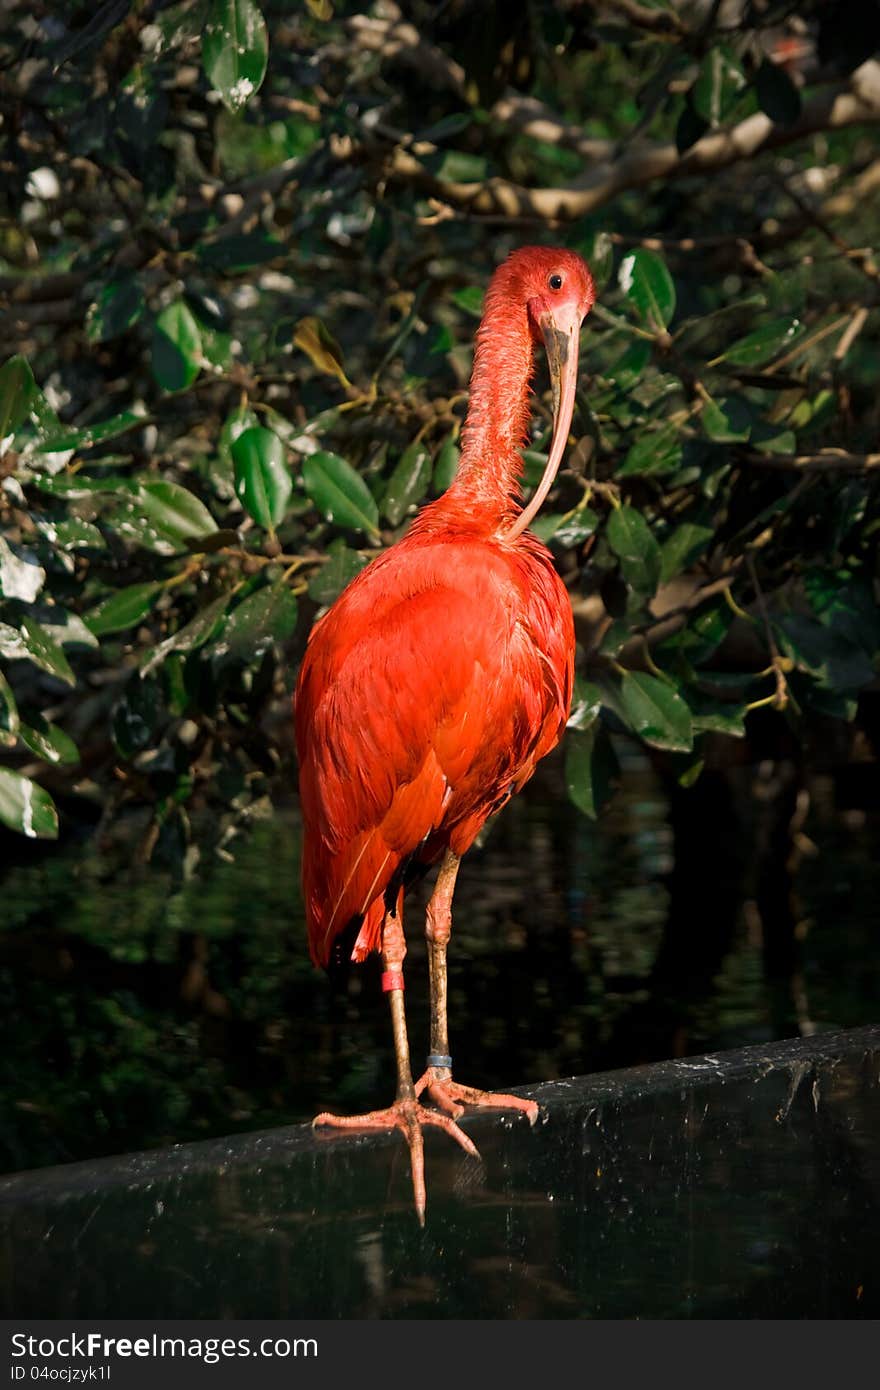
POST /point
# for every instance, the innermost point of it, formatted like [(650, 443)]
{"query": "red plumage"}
[(428, 694)]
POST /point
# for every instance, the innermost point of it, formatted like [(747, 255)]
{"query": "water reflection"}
[(144, 1008)]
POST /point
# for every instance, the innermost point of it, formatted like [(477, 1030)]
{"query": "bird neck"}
[(496, 426)]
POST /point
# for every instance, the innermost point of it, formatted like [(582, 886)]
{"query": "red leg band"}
[(392, 979)]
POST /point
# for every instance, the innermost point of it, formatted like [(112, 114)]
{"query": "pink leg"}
[(406, 1113), (437, 1079)]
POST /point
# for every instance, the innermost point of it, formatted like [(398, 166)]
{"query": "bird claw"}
[(410, 1117), (446, 1093)]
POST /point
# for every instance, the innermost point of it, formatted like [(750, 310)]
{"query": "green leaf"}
[(44, 651), (778, 97), (630, 537), (728, 421), (626, 371), (568, 529), (235, 50), (446, 465), (65, 628), (71, 534), (18, 390), (75, 485), (458, 166), (655, 453), (585, 705), (262, 479), (825, 652), (470, 299), (718, 85), (119, 305), (21, 576), (684, 545), (598, 252), (136, 715), (84, 436), (26, 807), (239, 251), (653, 710), (592, 771), (175, 513), (646, 282), (123, 609), (177, 347), (264, 617), (339, 493), (200, 629), (452, 124), (236, 422), (705, 631), (761, 346), (408, 483), (768, 438), (718, 717), (9, 719), (49, 742), (342, 565)]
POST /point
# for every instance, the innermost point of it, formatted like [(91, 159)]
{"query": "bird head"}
[(558, 292)]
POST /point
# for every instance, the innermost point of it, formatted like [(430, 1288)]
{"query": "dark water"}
[(143, 1006)]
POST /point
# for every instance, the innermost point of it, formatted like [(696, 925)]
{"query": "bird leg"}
[(437, 1079), (406, 1113)]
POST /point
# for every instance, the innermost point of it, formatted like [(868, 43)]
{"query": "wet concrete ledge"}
[(737, 1184)]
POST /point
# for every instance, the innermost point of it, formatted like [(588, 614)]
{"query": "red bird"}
[(437, 681)]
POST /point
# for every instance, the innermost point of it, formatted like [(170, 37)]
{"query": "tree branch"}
[(825, 461), (857, 102)]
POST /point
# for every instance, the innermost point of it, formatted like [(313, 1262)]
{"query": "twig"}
[(777, 662), (825, 461)]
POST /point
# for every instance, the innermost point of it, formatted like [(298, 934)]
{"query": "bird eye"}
[(555, 282)]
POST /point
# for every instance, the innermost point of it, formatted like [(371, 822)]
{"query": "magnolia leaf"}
[(44, 651), (17, 393), (592, 771), (235, 50), (408, 483), (123, 609), (633, 543), (21, 576), (49, 742), (339, 493), (119, 305), (446, 465), (658, 452), (646, 282), (177, 347), (341, 567), (653, 710), (9, 718), (27, 807), (262, 479)]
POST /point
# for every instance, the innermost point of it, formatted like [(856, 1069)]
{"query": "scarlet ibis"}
[(437, 681)]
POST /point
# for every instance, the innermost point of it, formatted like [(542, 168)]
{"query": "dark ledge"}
[(740, 1184)]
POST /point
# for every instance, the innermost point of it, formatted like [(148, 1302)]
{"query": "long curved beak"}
[(560, 330)]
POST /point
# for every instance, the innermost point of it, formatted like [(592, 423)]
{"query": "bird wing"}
[(422, 702)]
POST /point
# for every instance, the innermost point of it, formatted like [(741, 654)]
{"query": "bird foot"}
[(447, 1094), (409, 1117)]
